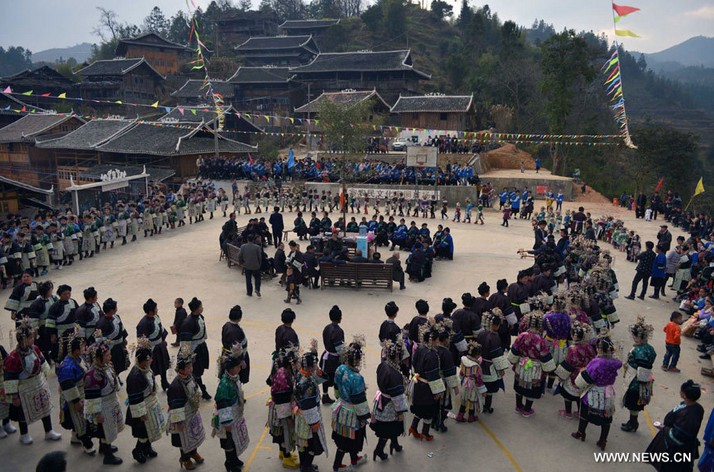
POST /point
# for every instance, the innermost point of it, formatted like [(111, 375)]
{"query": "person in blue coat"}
[(658, 272), (706, 461), (516, 203), (445, 249), (503, 197)]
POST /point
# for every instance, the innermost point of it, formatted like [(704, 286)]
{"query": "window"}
[(443, 116)]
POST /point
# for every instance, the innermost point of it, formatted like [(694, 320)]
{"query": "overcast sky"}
[(43, 24)]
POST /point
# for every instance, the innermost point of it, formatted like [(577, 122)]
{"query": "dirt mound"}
[(509, 156), (590, 195)]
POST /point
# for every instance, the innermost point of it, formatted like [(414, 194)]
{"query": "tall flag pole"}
[(613, 83)]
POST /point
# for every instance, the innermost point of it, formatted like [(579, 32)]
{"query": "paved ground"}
[(185, 263)]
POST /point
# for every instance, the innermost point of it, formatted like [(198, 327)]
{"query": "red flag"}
[(659, 185), (622, 10), (45, 95), (251, 158), (342, 200)]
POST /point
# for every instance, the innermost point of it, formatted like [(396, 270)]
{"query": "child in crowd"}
[(444, 209), (648, 214), (506, 214), (292, 284), (469, 209), (457, 213), (673, 333), (479, 210), (472, 385)]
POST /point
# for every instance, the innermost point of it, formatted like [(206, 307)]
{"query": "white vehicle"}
[(400, 145)]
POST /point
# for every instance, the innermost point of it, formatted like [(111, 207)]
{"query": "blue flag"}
[(291, 159)]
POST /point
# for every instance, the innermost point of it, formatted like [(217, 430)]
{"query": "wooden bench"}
[(232, 256), (357, 275)]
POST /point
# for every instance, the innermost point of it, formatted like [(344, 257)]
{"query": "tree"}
[(440, 9), (565, 65), (180, 28), (642, 63), (108, 25), (14, 60), (245, 5), (373, 17), (395, 17), (157, 23)]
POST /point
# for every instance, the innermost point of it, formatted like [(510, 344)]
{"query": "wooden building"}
[(265, 89), (347, 98), (12, 109), (315, 28), (16, 196), (233, 124), (39, 81), (195, 92), (164, 56), (236, 29), (437, 112), (126, 80), (20, 159), (74, 153), (391, 73), (278, 51)]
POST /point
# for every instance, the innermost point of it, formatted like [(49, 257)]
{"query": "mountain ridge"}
[(80, 52)]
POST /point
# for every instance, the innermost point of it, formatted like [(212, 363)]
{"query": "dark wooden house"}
[(315, 28), (232, 123), (391, 73), (347, 98), (265, 89), (437, 112), (196, 92), (20, 159), (164, 56), (236, 29), (40, 81), (74, 153), (278, 51), (12, 109), (125, 80)]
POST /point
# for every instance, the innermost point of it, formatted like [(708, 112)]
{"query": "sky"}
[(44, 24)]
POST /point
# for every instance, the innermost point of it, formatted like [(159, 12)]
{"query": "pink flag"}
[(8, 90), (180, 109)]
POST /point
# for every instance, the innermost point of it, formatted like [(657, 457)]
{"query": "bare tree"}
[(108, 23), (350, 8)]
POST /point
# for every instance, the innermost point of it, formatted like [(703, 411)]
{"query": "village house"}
[(163, 55), (314, 28), (347, 98), (20, 159), (196, 92), (232, 123), (125, 80), (278, 51), (12, 109), (40, 81), (436, 112), (236, 29), (391, 73), (265, 89)]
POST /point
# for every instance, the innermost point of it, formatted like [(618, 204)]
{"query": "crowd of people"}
[(57, 239), (672, 209), (550, 327), (333, 170)]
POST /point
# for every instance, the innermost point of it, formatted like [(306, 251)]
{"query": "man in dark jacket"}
[(664, 238), (643, 271), (276, 222), (540, 234), (251, 258), (397, 271)]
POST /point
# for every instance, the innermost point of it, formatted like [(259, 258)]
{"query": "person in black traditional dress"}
[(678, 432), (466, 320), (38, 313), (482, 302), (309, 429), (88, 315), (60, 320), (389, 330), (493, 360), (390, 403), (22, 296), (193, 334), (151, 328), (457, 345), (232, 333), (448, 374), (518, 293), (285, 335), (179, 317), (115, 335), (421, 319), (426, 386), (183, 397), (500, 300), (144, 414), (333, 337)]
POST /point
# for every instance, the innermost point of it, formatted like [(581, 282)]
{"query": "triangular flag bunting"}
[(621, 32), (155, 104), (7, 90), (623, 10), (62, 95), (29, 92)]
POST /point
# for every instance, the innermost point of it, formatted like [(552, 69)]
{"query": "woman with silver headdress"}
[(638, 372), (70, 375), (493, 360), (351, 413), (144, 413), (281, 420), (447, 371), (556, 324), (579, 354), (426, 386), (390, 403), (228, 421), (193, 334), (26, 389), (183, 397), (101, 404), (531, 361), (597, 385), (309, 430)]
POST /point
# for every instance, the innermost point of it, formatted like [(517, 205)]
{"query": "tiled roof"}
[(433, 103), (156, 173), (347, 98), (207, 115), (88, 137), (157, 140), (147, 39), (261, 75), (26, 128), (116, 67), (193, 88), (8, 105), (295, 24), (365, 61), (278, 42)]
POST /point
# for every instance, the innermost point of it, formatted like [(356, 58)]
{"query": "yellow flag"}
[(62, 95), (626, 32), (155, 104), (700, 187)]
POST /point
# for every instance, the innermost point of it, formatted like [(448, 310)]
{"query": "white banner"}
[(380, 193)]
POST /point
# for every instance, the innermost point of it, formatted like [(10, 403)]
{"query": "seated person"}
[(314, 228), (311, 266), (264, 231), (334, 245), (381, 233), (445, 248), (416, 262), (391, 228), (340, 225), (300, 226), (358, 257), (325, 223), (279, 259), (352, 226), (372, 225), (424, 231), (376, 258), (412, 234)]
